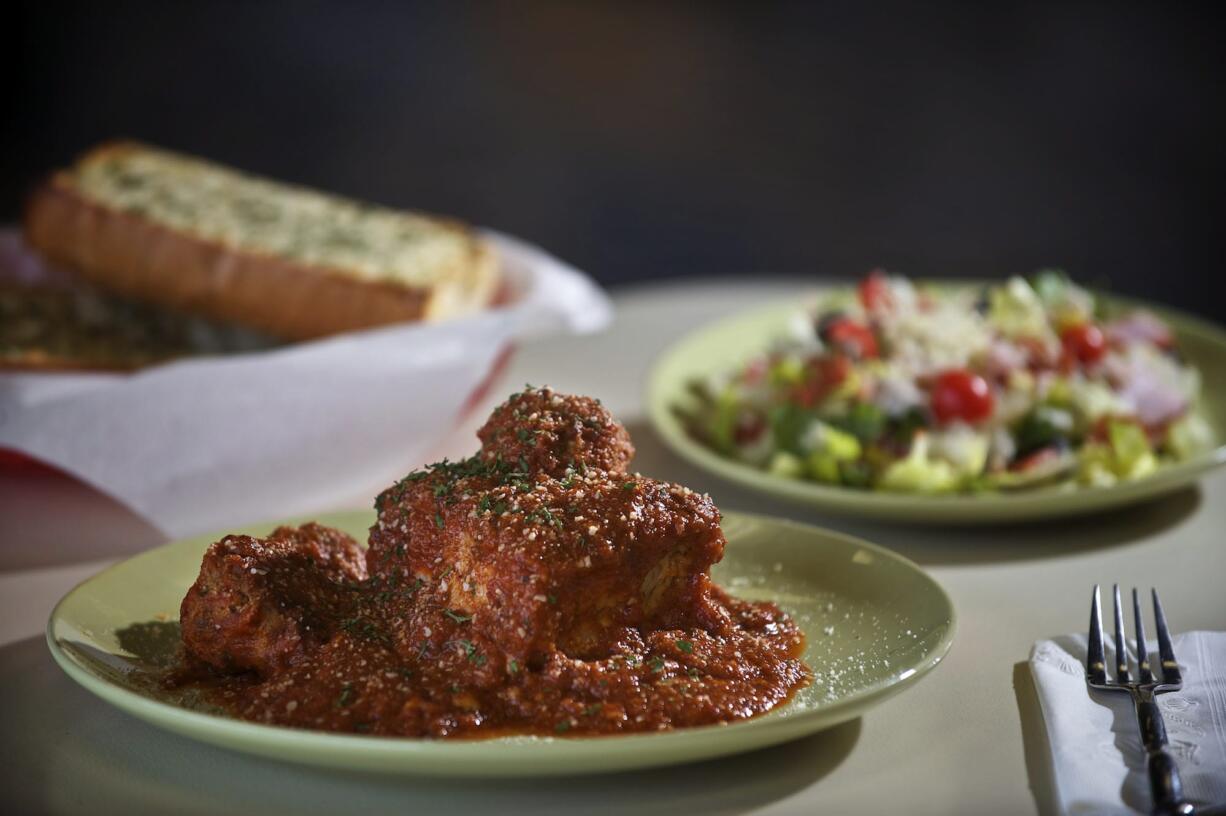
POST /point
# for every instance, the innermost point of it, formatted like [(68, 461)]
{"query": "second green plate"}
[(729, 342)]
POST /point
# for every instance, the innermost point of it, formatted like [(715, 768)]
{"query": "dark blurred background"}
[(649, 140)]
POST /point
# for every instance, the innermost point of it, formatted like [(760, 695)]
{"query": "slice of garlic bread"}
[(196, 236)]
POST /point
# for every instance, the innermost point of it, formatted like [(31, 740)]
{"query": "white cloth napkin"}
[(1098, 761), (206, 443)]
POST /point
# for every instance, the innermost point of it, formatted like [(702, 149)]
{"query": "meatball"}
[(543, 539), (543, 564), (259, 604), (549, 432)]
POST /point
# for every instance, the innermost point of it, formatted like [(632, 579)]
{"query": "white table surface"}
[(966, 739)]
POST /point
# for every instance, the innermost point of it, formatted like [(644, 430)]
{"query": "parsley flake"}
[(470, 651)]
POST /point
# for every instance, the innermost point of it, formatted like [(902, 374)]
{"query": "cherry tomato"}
[(755, 372), (960, 394), (852, 338), (749, 428), (1043, 457), (1084, 343), (825, 374), (874, 291)]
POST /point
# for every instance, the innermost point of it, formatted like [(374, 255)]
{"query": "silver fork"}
[(1164, 781)]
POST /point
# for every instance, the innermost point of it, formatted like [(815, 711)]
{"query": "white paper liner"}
[(206, 443)]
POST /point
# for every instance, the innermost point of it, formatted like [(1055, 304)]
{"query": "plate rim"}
[(915, 507), (596, 754)]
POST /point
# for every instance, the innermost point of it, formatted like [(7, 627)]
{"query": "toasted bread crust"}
[(139, 258)]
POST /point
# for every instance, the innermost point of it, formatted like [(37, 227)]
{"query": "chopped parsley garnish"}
[(365, 628), (438, 520), (458, 617), (657, 664), (685, 646), (562, 727), (544, 514), (470, 651), (528, 387), (553, 599), (345, 697), (513, 666), (627, 485), (448, 473)]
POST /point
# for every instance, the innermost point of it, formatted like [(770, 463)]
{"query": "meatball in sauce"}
[(534, 588)]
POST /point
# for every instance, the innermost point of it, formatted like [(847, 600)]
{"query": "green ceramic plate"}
[(727, 343), (875, 624)]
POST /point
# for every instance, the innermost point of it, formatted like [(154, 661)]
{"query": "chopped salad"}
[(903, 387)]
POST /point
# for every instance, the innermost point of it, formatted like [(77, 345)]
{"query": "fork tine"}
[(1143, 670), (1096, 662), (1170, 669), (1121, 651)]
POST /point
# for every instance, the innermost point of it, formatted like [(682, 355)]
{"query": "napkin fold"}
[(1098, 762), (205, 443)]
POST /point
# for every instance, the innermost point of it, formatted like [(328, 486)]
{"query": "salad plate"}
[(874, 623), (687, 379)]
